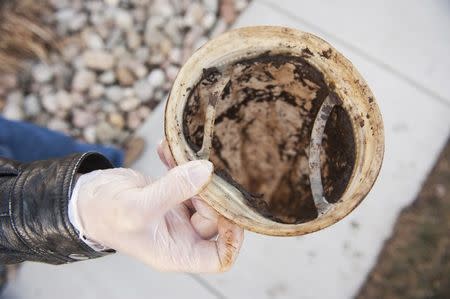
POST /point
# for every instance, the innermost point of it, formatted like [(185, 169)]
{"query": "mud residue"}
[(327, 53), (263, 124)]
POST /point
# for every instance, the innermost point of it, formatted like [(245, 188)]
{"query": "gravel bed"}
[(114, 62)]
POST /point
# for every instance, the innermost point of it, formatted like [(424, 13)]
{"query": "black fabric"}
[(34, 223)]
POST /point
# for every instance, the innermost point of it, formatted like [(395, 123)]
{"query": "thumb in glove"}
[(156, 222)]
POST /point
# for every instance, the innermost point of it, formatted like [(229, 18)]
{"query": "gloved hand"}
[(156, 222)]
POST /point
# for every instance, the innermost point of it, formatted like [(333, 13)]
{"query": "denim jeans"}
[(27, 142)]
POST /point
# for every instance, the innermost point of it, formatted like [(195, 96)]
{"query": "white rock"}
[(42, 73), (115, 38), (116, 120), (57, 124), (31, 105), (152, 37), (94, 6), (239, 5), (129, 104), (13, 109), (128, 92), (107, 77), (211, 5), (65, 15), (114, 93), (175, 55), (45, 89), (83, 80), (156, 78), (64, 99), (89, 134), (121, 53), (194, 14), (138, 69), (180, 6), (143, 90), (81, 118), (78, 4), (77, 98), (108, 107), (208, 20), (161, 8), (70, 51), (133, 120), (172, 72), (172, 29), (133, 39), (155, 23), (144, 111), (96, 91), (50, 103), (105, 132), (112, 2), (140, 17), (78, 63), (98, 60), (93, 107), (156, 58), (102, 26), (125, 76), (142, 54), (123, 19), (93, 41), (77, 22)]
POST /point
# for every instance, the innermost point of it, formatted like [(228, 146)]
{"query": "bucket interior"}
[(265, 111)]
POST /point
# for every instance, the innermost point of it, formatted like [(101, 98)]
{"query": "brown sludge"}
[(262, 131)]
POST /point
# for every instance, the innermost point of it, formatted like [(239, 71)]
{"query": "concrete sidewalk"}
[(401, 48)]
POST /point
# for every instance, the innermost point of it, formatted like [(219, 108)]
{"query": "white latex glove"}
[(154, 221)]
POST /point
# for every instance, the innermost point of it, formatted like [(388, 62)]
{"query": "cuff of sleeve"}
[(40, 196), (74, 216)]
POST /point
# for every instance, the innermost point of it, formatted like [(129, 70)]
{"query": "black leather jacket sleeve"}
[(34, 223)]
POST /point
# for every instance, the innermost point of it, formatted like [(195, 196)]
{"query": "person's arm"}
[(34, 222), (163, 222)]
